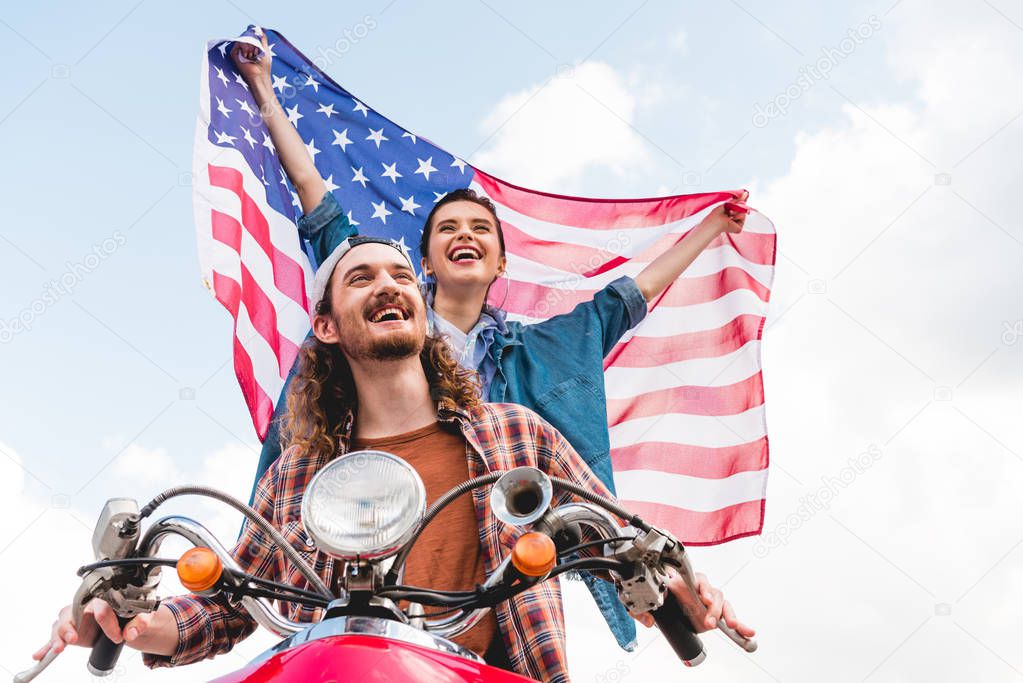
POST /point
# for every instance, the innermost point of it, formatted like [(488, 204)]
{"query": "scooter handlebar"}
[(678, 631), (106, 652)]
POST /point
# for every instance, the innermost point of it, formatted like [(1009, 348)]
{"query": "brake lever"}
[(685, 570), (30, 674), (93, 584)]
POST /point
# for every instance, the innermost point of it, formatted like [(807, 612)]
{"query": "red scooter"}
[(367, 509)]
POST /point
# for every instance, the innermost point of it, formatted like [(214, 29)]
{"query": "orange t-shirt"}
[(447, 555)]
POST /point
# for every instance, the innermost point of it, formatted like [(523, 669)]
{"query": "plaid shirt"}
[(498, 437)]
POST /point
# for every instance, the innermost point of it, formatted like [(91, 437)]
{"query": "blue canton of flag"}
[(386, 178)]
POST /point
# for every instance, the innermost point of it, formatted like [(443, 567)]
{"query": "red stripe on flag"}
[(229, 293), (264, 318), (592, 213), (539, 301), (731, 399), (288, 275), (648, 352), (707, 528), (226, 230), (693, 461)]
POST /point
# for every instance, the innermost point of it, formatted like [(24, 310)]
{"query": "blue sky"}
[(893, 319), (103, 143)]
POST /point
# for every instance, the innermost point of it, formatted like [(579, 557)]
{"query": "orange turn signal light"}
[(199, 569), (534, 554)]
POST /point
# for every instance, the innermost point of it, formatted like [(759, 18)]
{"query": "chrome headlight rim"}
[(325, 543)]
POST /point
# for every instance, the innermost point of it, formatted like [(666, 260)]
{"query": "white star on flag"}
[(329, 182), (425, 167), (377, 136), (327, 109), (390, 171), (293, 115), (248, 138), (359, 106), (222, 108), (380, 211), (311, 148), (359, 177), (409, 204), (341, 139)]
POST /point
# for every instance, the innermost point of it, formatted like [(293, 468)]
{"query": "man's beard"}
[(395, 346)]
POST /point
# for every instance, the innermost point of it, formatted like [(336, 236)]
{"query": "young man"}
[(372, 377)]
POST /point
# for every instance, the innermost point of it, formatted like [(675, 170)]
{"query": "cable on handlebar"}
[(480, 598), (314, 580), (590, 544), (606, 503), (126, 562), (432, 512)]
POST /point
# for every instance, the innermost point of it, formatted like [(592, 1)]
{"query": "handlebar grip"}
[(678, 631), (105, 652)]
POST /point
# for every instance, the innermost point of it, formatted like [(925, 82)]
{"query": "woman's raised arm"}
[(295, 159)]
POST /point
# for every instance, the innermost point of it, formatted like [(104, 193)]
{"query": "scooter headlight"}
[(364, 505)]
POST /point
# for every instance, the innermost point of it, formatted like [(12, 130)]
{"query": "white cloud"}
[(922, 548), (679, 41), (550, 135), (151, 467)]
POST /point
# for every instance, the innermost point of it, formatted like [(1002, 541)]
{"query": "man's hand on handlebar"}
[(154, 632), (705, 613)]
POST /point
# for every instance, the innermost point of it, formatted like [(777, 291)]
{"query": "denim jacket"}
[(555, 368)]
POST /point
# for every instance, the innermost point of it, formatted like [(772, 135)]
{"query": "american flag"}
[(685, 392)]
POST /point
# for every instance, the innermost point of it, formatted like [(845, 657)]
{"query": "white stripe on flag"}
[(708, 431), (264, 361), (720, 371), (667, 321), (691, 493)]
